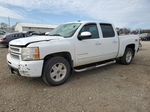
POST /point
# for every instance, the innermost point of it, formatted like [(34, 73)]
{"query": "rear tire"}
[(56, 71), (127, 57)]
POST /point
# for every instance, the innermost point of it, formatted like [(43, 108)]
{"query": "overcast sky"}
[(122, 13)]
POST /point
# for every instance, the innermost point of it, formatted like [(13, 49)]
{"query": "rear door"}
[(109, 42)]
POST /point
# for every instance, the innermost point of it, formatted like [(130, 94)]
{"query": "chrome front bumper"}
[(25, 68)]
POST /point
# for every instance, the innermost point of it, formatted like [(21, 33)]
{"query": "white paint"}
[(82, 52)]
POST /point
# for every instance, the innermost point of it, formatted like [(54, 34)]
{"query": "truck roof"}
[(88, 22)]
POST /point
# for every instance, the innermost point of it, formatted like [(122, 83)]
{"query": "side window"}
[(17, 35), (107, 30), (11, 35), (27, 34), (91, 28), (14, 35), (20, 35), (23, 35)]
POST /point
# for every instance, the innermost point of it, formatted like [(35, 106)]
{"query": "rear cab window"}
[(107, 30)]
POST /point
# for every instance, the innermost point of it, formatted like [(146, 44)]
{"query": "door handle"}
[(115, 41), (98, 43)]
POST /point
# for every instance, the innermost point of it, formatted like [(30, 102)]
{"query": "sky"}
[(132, 14)]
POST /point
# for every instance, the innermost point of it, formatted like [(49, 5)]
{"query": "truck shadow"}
[(90, 73), (74, 78)]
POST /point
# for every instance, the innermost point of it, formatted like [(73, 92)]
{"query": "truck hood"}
[(28, 40)]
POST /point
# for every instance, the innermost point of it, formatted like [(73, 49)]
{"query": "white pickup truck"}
[(74, 46)]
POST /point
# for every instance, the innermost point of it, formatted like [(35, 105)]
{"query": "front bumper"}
[(2, 42), (14, 70), (25, 68)]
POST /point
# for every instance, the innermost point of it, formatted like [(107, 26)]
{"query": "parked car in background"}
[(5, 39), (2, 32), (145, 36)]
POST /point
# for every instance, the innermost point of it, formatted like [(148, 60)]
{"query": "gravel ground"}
[(113, 88)]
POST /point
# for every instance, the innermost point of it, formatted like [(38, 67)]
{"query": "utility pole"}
[(9, 23)]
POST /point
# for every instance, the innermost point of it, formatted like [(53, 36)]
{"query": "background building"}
[(39, 28), (145, 31)]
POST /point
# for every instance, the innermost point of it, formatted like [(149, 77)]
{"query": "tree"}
[(4, 26), (123, 30)]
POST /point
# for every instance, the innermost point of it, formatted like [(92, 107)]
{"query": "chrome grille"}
[(16, 56), (15, 52), (14, 49)]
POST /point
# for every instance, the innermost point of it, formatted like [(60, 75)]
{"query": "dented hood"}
[(28, 40)]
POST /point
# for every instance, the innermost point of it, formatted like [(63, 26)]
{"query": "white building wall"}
[(39, 28), (18, 28)]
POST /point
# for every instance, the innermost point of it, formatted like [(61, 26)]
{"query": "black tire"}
[(47, 78), (123, 60)]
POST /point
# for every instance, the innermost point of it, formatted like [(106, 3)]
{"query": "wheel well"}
[(66, 55), (132, 46)]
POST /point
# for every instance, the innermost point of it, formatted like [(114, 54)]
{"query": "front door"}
[(87, 50)]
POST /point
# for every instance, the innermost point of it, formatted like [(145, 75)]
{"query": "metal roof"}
[(36, 25)]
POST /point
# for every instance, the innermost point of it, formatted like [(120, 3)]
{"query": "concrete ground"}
[(113, 88)]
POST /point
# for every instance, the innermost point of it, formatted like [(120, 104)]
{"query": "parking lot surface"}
[(113, 88)]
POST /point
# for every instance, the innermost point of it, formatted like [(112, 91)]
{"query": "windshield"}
[(65, 30), (2, 32)]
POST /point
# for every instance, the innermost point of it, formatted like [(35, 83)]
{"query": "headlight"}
[(30, 54)]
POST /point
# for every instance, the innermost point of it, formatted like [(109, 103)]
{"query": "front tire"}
[(56, 71), (127, 57)]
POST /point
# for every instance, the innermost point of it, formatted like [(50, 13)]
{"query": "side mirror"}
[(47, 33), (85, 35), (118, 33)]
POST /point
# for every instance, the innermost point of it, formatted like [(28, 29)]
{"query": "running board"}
[(96, 66)]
